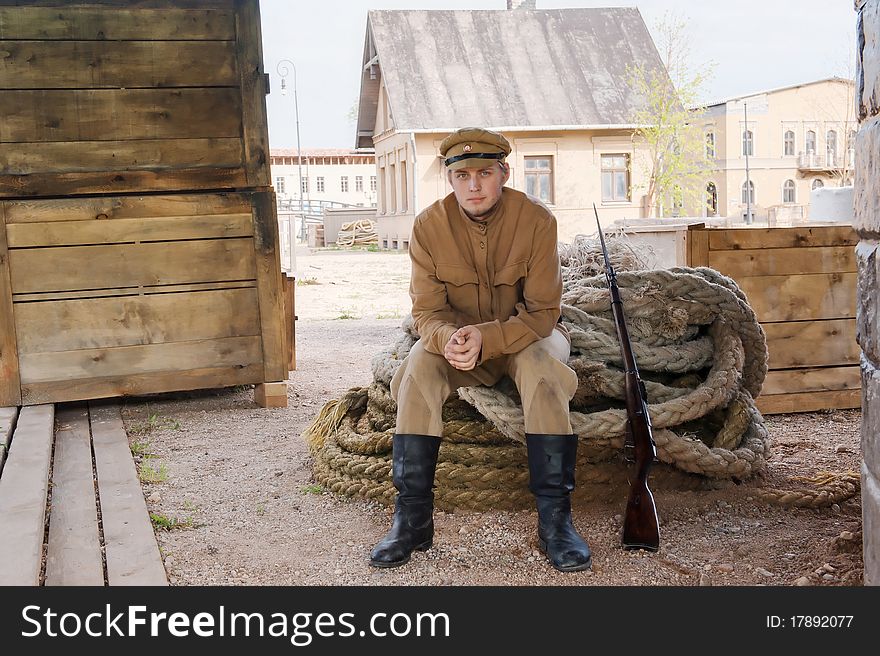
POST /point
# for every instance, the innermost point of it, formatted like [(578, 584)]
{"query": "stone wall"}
[(867, 223)]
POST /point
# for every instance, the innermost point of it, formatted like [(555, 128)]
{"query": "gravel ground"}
[(243, 509)]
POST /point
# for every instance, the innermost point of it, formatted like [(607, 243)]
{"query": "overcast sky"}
[(755, 45)]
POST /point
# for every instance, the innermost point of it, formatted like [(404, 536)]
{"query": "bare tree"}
[(674, 156)]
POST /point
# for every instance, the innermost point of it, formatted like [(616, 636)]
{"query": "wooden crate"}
[(114, 96), (124, 295), (801, 282)]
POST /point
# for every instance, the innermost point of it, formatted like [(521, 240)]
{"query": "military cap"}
[(473, 147)]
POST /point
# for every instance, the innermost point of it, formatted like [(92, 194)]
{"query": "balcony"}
[(810, 161)]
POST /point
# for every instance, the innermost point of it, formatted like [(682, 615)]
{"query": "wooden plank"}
[(139, 384), (119, 114), (811, 343), (783, 261), (23, 489), (789, 298), (290, 320), (68, 268), (168, 228), (37, 210), (787, 381), (114, 64), (149, 358), (130, 545), (146, 290), (73, 555), (698, 247), (795, 237), (268, 268), (59, 20), (62, 157), (809, 401), (10, 383), (271, 395), (118, 182), (8, 417), (136, 320), (249, 53)]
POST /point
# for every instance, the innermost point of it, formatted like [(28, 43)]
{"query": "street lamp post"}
[(284, 68)]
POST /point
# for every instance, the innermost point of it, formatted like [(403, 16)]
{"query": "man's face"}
[(478, 189)]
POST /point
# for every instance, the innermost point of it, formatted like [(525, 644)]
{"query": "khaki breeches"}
[(546, 384)]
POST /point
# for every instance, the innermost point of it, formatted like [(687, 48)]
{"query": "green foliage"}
[(164, 523), (307, 281), (346, 313), (673, 158), (140, 449), (150, 473), (313, 489)]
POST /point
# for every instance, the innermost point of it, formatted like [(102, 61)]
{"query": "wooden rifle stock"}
[(641, 530)]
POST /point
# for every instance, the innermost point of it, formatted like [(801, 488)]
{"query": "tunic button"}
[(482, 244), (482, 228)]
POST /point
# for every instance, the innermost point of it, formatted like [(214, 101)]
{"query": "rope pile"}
[(360, 233), (700, 351)]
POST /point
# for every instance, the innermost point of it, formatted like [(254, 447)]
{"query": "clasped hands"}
[(463, 349)]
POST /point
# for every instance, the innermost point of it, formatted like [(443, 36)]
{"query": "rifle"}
[(641, 530)]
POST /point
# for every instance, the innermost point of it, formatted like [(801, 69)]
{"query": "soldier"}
[(486, 288)]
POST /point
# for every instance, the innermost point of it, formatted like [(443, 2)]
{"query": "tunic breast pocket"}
[(461, 286), (509, 281)]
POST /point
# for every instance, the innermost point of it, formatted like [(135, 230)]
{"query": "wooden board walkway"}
[(90, 526)]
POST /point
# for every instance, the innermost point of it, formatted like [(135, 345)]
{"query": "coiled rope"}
[(699, 348)]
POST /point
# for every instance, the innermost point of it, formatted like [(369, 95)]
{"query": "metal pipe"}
[(283, 71)]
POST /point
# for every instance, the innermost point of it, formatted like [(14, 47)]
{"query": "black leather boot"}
[(413, 462), (551, 480)]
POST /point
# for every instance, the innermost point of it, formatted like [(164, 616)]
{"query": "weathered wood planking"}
[(73, 555), (146, 290), (130, 544), (799, 297), (289, 291), (138, 155), (268, 268), (795, 237), (811, 343), (809, 401), (140, 384), (114, 64), (126, 265), (8, 417), (783, 261), (168, 228), (783, 381), (136, 320), (171, 357), (255, 128), (23, 490), (119, 114), (10, 391), (117, 21), (186, 206)]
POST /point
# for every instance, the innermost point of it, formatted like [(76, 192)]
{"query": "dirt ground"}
[(235, 503)]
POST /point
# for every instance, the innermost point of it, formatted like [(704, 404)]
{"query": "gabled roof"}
[(522, 69)]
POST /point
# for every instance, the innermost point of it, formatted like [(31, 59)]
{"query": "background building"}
[(553, 81), (334, 176), (797, 138)]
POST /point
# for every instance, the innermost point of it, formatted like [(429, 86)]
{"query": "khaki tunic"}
[(501, 274)]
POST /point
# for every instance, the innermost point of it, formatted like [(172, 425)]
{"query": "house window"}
[(305, 185), (403, 186), (320, 183), (831, 147), (748, 197), (358, 183), (279, 185), (372, 183), (710, 144), (711, 200), (811, 141), (817, 184), (788, 192), (615, 177), (539, 177), (748, 143), (392, 189), (343, 183), (788, 143)]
